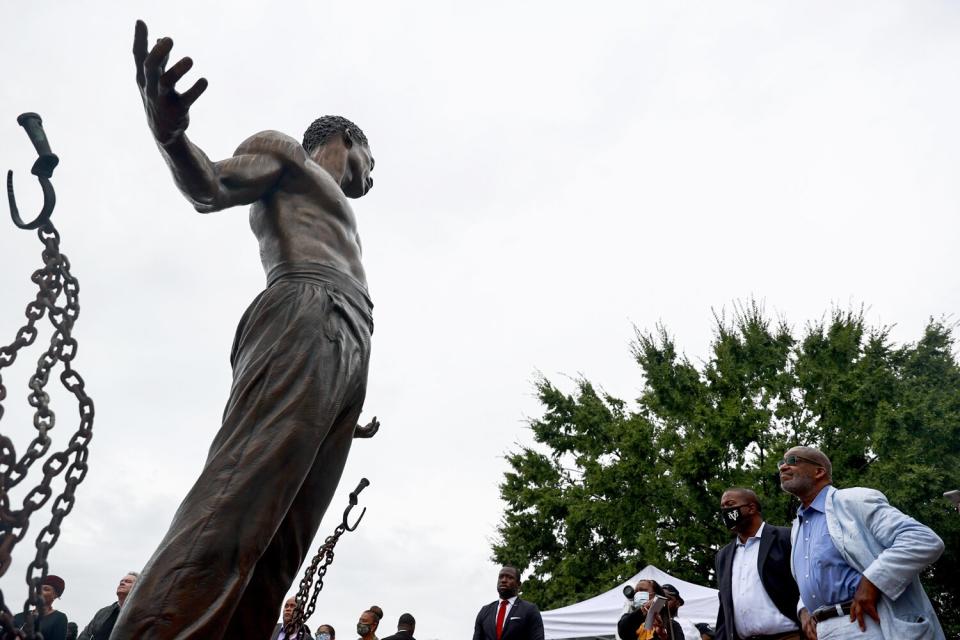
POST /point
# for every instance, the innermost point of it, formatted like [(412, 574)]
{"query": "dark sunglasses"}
[(792, 460)]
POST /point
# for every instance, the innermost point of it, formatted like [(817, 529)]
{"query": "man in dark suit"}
[(509, 618), (405, 626), (758, 595), (280, 632)]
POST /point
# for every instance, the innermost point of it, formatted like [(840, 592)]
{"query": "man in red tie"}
[(509, 617)]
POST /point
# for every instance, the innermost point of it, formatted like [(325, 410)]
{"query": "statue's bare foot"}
[(367, 431)]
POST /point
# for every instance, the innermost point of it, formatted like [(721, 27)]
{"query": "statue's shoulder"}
[(273, 143)]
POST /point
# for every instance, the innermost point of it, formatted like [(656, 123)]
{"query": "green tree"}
[(610, 487)]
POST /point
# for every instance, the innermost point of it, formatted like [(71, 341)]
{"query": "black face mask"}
[(731, 516)]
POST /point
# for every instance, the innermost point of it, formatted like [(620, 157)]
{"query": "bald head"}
[(814, 455), (406, 623)]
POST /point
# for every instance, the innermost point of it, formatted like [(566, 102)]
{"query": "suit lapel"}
[(766, 541), (727, 586), (492, 620)]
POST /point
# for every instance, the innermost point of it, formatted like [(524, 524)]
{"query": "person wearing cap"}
[(103, 620), (706, 631), (674, 602), (405, 626), (856, 558), (52, 624), (758, 596)]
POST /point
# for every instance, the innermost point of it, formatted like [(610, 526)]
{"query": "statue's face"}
[(357, 181)]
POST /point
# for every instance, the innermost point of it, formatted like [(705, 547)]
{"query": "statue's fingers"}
[(163, 65), (190, 95), (140, 48), (159, 52), (153, 64), (174, 73)]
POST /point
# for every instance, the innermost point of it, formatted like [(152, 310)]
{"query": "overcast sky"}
[(548, 175)]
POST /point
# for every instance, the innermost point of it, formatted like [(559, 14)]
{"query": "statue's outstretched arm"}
[(209, 186)]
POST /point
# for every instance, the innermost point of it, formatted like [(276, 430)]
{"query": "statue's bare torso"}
[(305, 217)]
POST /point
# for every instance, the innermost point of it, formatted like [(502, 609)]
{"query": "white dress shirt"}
[(754, 613)]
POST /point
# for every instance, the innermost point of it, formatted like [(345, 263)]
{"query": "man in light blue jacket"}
[(856, 558)]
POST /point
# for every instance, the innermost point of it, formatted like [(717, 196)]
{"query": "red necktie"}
[(501, 614)]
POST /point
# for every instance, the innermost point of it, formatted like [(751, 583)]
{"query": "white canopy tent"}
[(598, 616)]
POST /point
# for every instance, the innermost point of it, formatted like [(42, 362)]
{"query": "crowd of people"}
[(848, 568), (54, 625), (367, 626)]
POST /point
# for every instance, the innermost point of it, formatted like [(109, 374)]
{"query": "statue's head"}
[(336, 136)]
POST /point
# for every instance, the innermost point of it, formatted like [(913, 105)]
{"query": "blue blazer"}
[(891, 549)]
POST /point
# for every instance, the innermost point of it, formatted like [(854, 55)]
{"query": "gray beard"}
[(797, 484)]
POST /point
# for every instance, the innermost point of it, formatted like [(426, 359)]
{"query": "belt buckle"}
[(829, 612)]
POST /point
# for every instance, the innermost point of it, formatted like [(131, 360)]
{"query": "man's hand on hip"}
[(865, 602), (808, 626)]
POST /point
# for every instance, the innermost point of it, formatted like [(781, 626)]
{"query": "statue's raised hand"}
[(168, 112)]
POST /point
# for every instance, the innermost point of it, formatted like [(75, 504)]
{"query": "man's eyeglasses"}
[(792, 460)]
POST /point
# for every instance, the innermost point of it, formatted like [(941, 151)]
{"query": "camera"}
[(636, 598)]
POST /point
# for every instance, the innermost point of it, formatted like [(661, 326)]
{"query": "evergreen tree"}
[(610, 488)]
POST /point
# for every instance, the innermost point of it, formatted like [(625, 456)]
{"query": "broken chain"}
[(54, 281), (307, 603)]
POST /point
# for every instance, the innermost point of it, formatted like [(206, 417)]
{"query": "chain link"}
[(53, 281), (307, 603), (7, 630)]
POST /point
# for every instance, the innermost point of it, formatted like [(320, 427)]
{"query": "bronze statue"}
[(299, 360)]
